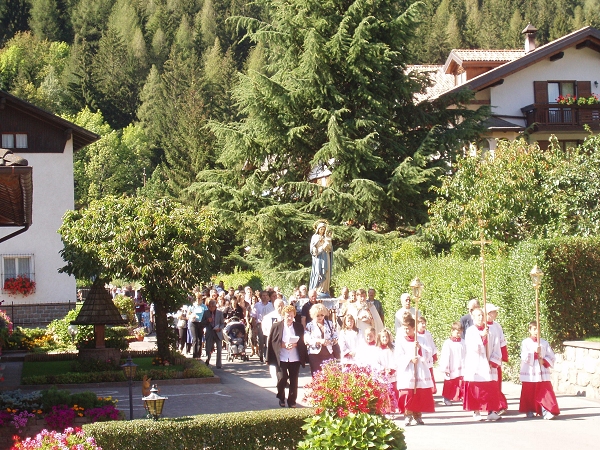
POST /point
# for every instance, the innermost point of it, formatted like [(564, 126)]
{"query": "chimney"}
[(529, 32)]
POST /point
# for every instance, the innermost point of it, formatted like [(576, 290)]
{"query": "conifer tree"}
[(334, 97)]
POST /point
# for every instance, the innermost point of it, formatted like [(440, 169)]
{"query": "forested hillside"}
[(232, 103)]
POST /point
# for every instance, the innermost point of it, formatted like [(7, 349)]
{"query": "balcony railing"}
[(568, 117)]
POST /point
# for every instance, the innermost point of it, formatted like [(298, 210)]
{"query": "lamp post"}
[(417, 290), (154, 403), (72, 330), (536, 279), (129, 369)]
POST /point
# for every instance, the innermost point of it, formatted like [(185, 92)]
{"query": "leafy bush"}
[(58, 328), (252, 279), (192, 369), (252, 430), (115, 337), (125, 306), (356, 431)]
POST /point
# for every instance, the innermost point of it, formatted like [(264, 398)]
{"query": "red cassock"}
[(538, 394), (453, 389), (419, 401)]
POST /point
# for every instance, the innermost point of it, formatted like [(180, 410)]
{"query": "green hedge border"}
[(251, 430)]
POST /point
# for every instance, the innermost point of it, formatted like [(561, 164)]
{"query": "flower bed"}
[(25, 414), (350, 405), (72, 438)]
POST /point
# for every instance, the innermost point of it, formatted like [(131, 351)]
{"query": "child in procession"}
[(452, 359), (367, 353), (415, 394), (387, 364), (537, 394), (423, 332)]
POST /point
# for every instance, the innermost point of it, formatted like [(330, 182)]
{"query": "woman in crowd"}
[(320, 337), (287, 352)]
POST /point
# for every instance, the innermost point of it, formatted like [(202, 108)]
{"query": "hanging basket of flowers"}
[(21, 284)]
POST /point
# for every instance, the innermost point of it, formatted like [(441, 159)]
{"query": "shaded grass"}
[(593, 339), (36, 368)]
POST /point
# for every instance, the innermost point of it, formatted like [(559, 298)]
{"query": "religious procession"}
[(312, 327)]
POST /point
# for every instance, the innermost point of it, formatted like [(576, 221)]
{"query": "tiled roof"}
[(586, 36), (487, 55), (441, 81)]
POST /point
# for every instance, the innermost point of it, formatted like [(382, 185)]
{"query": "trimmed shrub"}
[(259, 430), (252, 279)]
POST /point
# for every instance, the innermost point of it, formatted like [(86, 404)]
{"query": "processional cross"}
[(482, 242)]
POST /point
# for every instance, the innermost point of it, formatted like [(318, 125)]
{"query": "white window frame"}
[(18, 271)]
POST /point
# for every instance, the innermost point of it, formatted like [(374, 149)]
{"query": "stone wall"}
[(36, 315), (577, 369)]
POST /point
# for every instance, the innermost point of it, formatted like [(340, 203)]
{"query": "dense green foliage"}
[(252, 430), (165, 246), (70, 372), (327, 431), (332, 96), (497, 24), (569, 300), (520, 192)]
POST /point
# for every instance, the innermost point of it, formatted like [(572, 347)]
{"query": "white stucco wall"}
[(53, 195), (517, 89)]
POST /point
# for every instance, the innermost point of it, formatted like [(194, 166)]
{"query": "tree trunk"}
[(162, 329)]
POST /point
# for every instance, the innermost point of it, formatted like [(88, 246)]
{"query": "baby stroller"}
[(234, 335)]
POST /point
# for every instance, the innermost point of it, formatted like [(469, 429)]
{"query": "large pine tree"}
[(334, 93)]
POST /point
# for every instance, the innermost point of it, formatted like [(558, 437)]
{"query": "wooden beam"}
[(557, 56)]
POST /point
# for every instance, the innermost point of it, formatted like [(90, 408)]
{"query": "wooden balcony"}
[(554, 117)]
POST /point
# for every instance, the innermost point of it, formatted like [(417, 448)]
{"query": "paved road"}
[(248, 386)]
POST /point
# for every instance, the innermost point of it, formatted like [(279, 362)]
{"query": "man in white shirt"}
[(259, 311)]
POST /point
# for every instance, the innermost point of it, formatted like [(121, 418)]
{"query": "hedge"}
[(569, 295), (269, 429)]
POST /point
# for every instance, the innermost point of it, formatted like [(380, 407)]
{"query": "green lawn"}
[(593, 339), (33, 368)]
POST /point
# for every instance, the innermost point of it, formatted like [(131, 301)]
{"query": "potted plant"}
[(20, 284), (139, 333)]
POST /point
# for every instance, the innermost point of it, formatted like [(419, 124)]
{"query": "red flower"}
[(19, 285)]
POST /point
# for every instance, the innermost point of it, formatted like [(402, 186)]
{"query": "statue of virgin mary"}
[(321, 249)]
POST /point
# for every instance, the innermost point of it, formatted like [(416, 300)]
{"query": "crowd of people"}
[(288, 333)]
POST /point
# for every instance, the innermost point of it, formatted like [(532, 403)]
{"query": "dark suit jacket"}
[(275, 340), (219, 322)]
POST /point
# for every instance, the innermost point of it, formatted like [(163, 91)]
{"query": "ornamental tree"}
[(520, 192), (328, 88), (167, 247)]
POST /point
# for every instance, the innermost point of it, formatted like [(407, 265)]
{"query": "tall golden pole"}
[(536, 279), (482, 242), (417, 289)]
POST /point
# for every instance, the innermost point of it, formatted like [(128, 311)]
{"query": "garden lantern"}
[(154, 403), (129, 369), (72, 330)]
